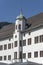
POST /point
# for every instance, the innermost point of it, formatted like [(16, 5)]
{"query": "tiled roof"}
[(7, 31)]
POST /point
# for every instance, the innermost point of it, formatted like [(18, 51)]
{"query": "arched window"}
[(16, 26), (19, 26)]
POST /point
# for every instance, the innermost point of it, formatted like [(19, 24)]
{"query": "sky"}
[(10, 9)]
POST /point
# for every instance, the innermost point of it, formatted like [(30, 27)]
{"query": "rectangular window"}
[(5, 47), (12, 45), (24, 55), (0, 57), (16, 26), (15, 44), (24, 42), (36, 54), (29, 55), (41, 53), (36, 39), (15, 55), (4, 57), (1, 47), (9, 57), (9, 46), (41, 38), (20, 43), (20, 56), (24, 34), (29, 41)]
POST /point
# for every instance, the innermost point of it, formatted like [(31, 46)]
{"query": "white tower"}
[(19, 26), (20, 22)]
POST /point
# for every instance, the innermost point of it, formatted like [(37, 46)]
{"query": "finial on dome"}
[(21, 11), (20, 16)]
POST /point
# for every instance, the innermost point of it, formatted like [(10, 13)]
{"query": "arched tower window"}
[(19, 26), (16, 26)]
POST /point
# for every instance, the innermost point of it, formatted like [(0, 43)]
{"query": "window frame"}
[(9, 46), (24, 55), (35, 54), (29, 41), (29, 55), (24, 42)]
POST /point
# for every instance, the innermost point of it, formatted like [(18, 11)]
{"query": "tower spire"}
[(20, 10)]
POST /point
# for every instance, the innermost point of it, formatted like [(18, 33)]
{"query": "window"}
[(20, 43), (4, 57), (20, 56), (15, 55), (1, 47), (9, 46), (29, 33), (36, 54), (19, 26), (24, 42), (15, 36), (15, 44), (16, 26), (29, 41), (5, 47), (36, 39), (9, 39), (12, 45), (9, 57), (41, 53), (41, 38), (24, 34), (24, 55), (29, 55), (0, 57)]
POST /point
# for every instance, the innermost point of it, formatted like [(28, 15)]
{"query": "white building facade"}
[(25, 44)]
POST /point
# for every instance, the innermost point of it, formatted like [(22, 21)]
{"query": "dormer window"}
[(19, 26)]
